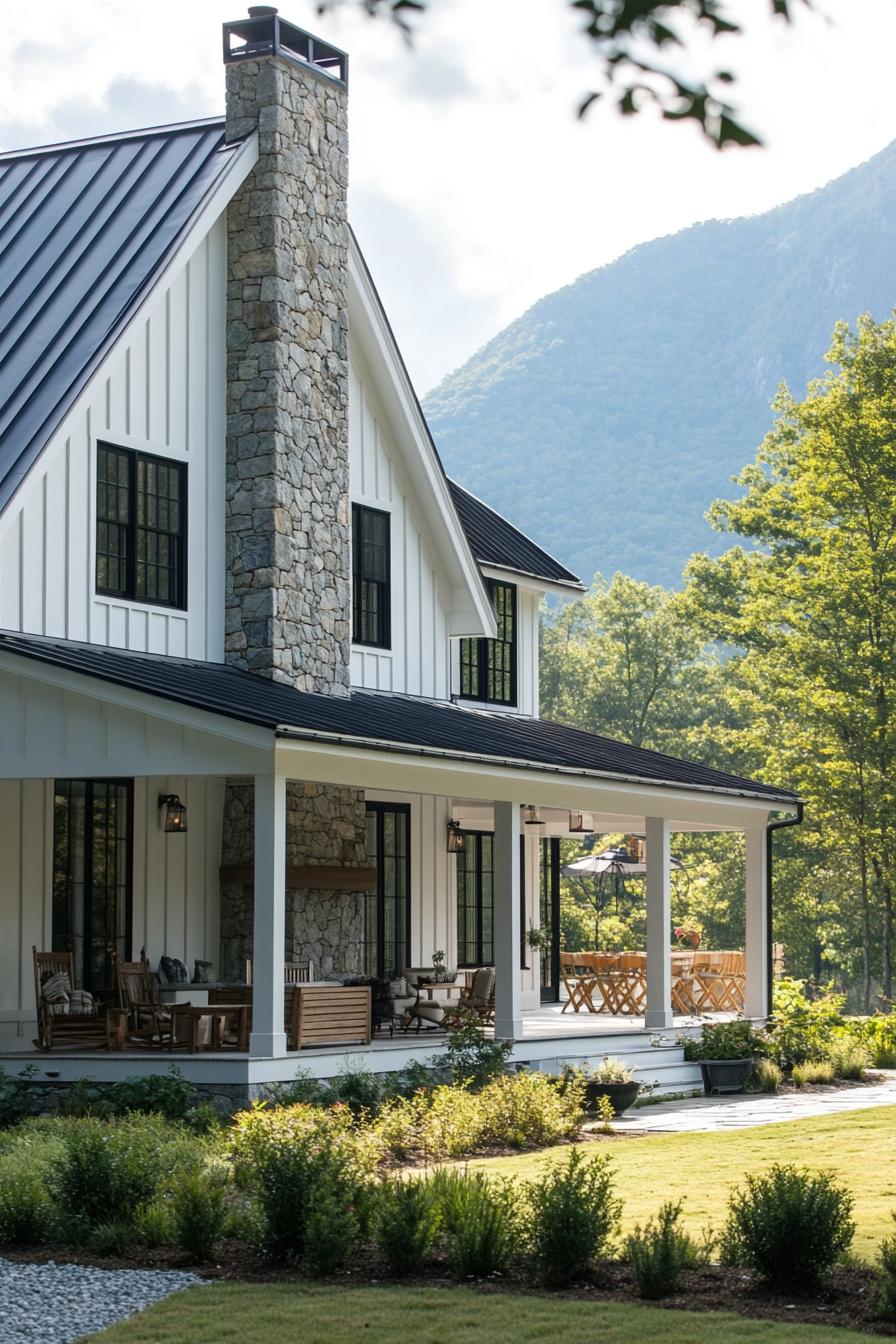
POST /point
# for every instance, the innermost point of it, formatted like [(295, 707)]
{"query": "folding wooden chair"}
[(706, 973), (732, 981), (606, 986), (632, 982), (578, 981), (683, 984)]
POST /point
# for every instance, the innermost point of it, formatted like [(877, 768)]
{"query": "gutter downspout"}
[(770, 829)]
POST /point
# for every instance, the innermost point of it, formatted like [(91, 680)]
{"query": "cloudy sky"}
[(474, 189)]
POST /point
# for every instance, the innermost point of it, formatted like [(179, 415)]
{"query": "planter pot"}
[(622, 1095), (725, 1075)]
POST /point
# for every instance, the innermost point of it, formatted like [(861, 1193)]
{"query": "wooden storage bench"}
[(330, 1015)]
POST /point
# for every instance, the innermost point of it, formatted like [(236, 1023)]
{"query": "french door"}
[(549, 913), (387, 924), (93, 876)]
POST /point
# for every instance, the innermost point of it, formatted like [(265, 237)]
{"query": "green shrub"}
[(886, 1278), (479, 1217), (26, 1209), (848, 1058), (332, 1227), (154, 1225), (878, 1035), (204, 1118), (167, 1094), (406, 1223), (736, 1039), (19, 1097), (813, 1071), (358, 1089), (801, 1028), (288, 1155), (660, 1252), (85, 1097), (444, 1122), (525, 1110), (572, 1215), (470, 1056), (199, 1210), (303, 1089), (789, 1226), (767, 1076), (116, 1236)]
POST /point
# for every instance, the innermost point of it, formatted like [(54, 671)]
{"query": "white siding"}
[(162, 391), (175, 908), (418, 661)]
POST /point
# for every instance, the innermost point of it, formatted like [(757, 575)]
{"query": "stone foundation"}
[(325, 826)]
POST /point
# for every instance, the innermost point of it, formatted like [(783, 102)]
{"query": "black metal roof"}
[(85, 228), (396, 722), (494, 541)]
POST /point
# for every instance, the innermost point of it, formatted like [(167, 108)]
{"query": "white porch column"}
[(508, 993), (268, 934), (756, 997), (658, 1012)]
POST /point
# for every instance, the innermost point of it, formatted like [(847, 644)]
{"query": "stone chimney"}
[(287, 524)]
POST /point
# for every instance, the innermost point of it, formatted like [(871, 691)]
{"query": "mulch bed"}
[(847, 1299)]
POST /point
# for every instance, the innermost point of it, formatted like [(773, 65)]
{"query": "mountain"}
[(606, 419)]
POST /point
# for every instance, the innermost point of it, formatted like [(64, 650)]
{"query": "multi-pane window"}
[(488, 666), (387, 908), (475, 900), (371, 591), (141, 519)]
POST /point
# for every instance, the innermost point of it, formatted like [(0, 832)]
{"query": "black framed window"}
[(488, 666), (371, 583), (387, 924), (476, 900), (93, 876), (141, 526)]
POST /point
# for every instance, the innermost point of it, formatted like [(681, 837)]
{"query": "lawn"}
[(284, 1313), (858, 1146)]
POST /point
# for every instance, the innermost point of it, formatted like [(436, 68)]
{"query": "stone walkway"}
[(706, 1114)]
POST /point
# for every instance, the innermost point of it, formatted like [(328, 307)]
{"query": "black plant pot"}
[(621, 1095), (725, 1075)]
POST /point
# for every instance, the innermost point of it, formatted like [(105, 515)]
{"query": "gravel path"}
[(57, 1304)]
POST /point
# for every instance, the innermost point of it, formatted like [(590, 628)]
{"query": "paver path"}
[(706, 1114)]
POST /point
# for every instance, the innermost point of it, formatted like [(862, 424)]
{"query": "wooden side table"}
[(193, 1015)]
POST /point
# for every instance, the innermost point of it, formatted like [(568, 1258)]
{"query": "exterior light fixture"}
[(175, 814), (580, 823), (637, 848), (530, 816), (456, 838)]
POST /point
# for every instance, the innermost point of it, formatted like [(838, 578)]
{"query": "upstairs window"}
[(488, 666), (141, 527), (371, 589)]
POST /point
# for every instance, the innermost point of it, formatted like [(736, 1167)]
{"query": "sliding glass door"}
[(93, 876)]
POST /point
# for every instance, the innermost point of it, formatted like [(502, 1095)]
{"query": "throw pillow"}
[(81, 1001), (172, 971), (56, 988), (203, 972)]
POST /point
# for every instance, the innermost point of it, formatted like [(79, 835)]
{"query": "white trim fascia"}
[(242, 162), (569, 591), (420, 459)]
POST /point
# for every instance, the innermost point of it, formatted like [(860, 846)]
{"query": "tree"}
[(631, 39), (813, 607)]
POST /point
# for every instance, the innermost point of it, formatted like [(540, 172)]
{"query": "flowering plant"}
[(687, 935)]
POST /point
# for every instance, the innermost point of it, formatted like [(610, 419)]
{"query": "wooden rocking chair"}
[(63, 1013), (148, 1020)]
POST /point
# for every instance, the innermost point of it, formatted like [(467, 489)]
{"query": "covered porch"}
[(188, 729)]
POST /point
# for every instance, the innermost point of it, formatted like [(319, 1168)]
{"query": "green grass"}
[(284, 1313), (858, 1146)]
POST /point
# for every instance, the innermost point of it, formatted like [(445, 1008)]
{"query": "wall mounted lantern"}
[(580, 823), (530, 816), (455, 844), (175, 813)]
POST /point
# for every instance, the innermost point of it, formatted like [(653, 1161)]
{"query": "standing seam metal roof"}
[(85, 228), (397, 722), (496, 542)]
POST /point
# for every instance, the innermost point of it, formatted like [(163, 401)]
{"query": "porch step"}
[(662, 1068)]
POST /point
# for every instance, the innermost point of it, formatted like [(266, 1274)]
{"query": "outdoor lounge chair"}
[(63, 1012), (478, 998)]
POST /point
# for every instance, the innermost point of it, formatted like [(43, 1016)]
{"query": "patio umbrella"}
[(610, 861)]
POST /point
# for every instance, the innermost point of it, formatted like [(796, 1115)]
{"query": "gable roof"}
[(496, 542), (85, 229), (384, 720)]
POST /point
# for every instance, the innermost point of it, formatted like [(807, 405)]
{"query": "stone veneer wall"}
[(325, 825), (287, 604)]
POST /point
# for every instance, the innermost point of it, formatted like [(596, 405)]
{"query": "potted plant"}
[(539, 939), (610, 1078), (440, 973), (725, 1052), (687, 936)]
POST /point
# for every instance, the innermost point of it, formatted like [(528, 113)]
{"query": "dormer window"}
[(371, 585), (488, 666), (141, 527)]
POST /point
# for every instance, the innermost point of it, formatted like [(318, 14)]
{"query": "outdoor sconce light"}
[(530, 816), (580, 823), (455, 838), (175, 812), (637, 848)]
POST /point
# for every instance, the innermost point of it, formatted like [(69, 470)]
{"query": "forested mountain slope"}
[(605, 419)]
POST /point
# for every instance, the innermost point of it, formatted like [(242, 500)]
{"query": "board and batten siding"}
[(175, 904), (418, 661), (161, 391)]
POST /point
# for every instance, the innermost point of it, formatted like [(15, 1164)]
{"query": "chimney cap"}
[(264, 33)]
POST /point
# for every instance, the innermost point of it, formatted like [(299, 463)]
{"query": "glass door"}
[(387, 923), (549, 914), (93, 876)]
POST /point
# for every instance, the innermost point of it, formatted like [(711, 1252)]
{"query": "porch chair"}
[(137, 989), (682, 987), (63, 1012), (606, 980), (578, 981), (631, 968), (294, 972), (478, 998)]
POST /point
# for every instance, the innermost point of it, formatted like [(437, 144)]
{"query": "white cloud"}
[(474, 188)]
